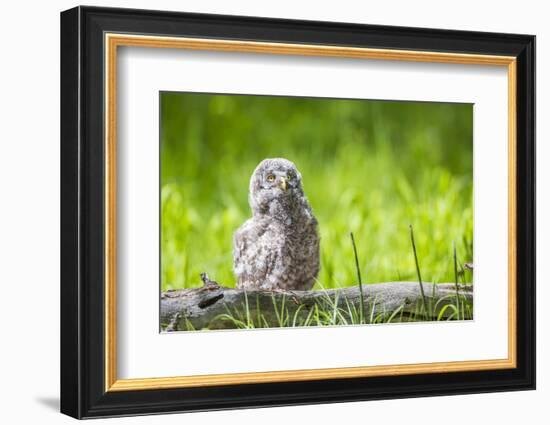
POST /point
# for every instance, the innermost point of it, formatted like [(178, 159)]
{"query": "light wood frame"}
[(113, 41)]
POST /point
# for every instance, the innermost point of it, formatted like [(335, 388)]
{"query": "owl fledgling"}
[(278, 248)]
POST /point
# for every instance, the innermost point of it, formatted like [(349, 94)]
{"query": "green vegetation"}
[(369, 167), (450, 307)]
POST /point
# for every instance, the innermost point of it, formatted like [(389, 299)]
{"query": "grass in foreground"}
[(331, 310), (331, 313)]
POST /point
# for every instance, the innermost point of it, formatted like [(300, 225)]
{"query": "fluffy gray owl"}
[(278, 248)]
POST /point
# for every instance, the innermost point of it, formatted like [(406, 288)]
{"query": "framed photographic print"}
[(261, 212)]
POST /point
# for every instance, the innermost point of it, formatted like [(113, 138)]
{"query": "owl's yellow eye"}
[(271, 178)]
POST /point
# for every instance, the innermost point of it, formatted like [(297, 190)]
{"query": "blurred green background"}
[(371, 167)]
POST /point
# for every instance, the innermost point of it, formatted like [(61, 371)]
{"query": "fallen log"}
[(213, 306)]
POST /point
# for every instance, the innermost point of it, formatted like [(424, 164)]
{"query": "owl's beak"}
[(283, 184)]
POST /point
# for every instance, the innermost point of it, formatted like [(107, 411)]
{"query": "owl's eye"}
[(271, 178), (289, 176)]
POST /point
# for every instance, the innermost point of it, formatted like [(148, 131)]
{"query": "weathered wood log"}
[(216, 307)]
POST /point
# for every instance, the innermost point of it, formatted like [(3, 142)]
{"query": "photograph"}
[(286, 211)]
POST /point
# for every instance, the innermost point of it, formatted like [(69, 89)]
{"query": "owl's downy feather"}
[(278, 248)]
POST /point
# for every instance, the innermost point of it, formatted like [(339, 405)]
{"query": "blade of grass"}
[(398, 310), (418, 271), (296, 313), (361, 299), (442, 312), (456, 277), (247, 309)]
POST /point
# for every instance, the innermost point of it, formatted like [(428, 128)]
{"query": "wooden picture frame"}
[(90, 38)]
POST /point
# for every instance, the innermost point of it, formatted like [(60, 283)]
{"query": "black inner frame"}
[(82, 212)]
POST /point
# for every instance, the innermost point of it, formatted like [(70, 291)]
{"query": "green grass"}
[(332, 315), (369, 167), (330, 312)]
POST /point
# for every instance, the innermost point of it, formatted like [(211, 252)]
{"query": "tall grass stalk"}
[(455, 267), (360, 281), (425, 305)]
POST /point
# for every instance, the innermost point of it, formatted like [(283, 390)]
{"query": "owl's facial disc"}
[(275, 186), (280, 181)]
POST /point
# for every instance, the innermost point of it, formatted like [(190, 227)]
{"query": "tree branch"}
[(210, 305)]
